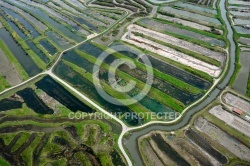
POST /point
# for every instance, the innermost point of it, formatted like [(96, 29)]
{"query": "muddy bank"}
[(201, 142)]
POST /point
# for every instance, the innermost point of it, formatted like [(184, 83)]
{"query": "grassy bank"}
[(153, 93), (236, 36), (179, 65), (23, 45), (3, 83), (168, 78), (135, 107), (3, 162), (248, 86), (94, 128)]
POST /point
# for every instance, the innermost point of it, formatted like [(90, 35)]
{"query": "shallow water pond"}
[(58, 40), (158, 26), (8, 104), (242, 21), (14, 26), (44, 17), (167, 68), (29, 66), (48, 46), (242, 30), (25, 23), (240, 84), (34, 102), (168, 150), (38, 51), (187, 14), (59, 93), (73, 57), (87, 87), (194, 7)]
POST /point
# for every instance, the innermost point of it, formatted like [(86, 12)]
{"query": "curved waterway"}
[(131, 143)]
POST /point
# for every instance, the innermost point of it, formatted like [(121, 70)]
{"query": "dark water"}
[(178, 73), (61, 141), (76, 59), (34, 102), (125, 50), (154, 105), (29, 66), (7, 104), (131, 143), (116, 159), (25, 23), (96, 52), (48, 46), (148, 102), (38, 51), (166, 68), (168, 150), (163, 86), (90, 49), (84, 85), (85, 22), (59, 93), (44, 17), (87, 87), (133, 120), (13, 26), (58, 40), (205, 145), (141, 75)]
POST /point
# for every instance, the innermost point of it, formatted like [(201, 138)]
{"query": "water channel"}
[(131, 143)]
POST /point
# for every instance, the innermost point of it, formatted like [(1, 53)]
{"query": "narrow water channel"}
[(131, 143)]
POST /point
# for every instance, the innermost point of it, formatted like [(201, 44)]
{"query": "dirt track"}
[(8, 71)]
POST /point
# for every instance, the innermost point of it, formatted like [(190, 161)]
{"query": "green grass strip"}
[(20, 141), (198, 73), (3, 162), (3, 83), (248, 86), (27, 154), (38, 61), (153, 93), (168, 78), (137, 107), (7, 137)]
